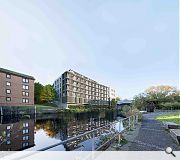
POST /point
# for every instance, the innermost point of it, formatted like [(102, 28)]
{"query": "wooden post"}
[(129, 119), (136, 118), (132, 122), (93, 142), (1, 111), (119, 138)]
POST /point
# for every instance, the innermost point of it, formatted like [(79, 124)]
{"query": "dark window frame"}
[(8, 82), (8, 100), (24, 93), (24, 87), (7, 92), (25, 80), (8, 76)]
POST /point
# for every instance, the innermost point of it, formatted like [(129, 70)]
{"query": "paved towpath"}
[(152, 136)]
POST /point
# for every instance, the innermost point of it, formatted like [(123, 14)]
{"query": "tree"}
[(163, 96), (162, 93), (113, 102), (37, 92), (118, 99), (48, 94), (140, 101)]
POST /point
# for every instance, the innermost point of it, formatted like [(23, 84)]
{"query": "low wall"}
[(16, 110)]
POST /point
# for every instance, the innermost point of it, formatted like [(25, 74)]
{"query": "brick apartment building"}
[(16, 89), (74, 88)]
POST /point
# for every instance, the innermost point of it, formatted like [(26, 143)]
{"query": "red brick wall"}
[(16, 91)]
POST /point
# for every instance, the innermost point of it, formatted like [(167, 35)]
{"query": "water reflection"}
[(31, 133), (16, 134)]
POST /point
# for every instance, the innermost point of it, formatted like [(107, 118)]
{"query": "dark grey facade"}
[(74, 88)]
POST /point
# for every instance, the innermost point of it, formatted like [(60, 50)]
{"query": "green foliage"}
[(140, 101), (129, 110), (48, 94), (37, 92), (164, 97), (113, 102), (123, 141), (169, 105), (118, 99)]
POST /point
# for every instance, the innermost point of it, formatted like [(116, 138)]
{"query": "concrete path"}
[(152, 136)]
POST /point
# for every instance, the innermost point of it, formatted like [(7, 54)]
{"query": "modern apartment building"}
[(74, 88), (16, 89), (112, 94)]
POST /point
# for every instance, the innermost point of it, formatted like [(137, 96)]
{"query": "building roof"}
[(16, 73), (125, 101)]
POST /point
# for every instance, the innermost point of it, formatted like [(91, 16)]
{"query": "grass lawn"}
[(169, 118), (41, 107)]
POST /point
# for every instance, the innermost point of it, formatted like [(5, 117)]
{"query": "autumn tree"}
[(48, 94), (162, 93)]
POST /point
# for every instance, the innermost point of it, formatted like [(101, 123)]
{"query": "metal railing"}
[(98, 138)]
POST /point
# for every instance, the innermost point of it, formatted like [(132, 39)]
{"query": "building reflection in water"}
[(16, 134), (65, 127), (25, 133)]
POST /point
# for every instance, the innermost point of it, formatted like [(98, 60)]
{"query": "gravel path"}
[(152, 136)]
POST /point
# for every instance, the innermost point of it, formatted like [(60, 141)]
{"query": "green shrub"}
[(130, 110), (169, 106)]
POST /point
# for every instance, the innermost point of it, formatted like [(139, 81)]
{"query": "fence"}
[(99, 138)]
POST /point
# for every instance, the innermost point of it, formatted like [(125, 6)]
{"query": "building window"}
[(8, 127), (25, 138), (24, 131), (8, 99), (8, 76), (8, 83), (25, 144), (25, 80), (8, 142), (8, 135), (25, 93), (25, 100), (25, 124), (25, 87), (8, 91)]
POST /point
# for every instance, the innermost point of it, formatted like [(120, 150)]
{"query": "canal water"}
[(33, 133)]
